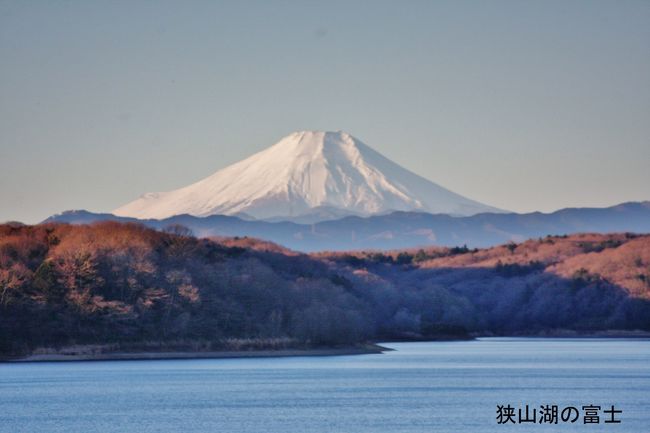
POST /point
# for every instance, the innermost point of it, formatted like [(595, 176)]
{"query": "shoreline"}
[(568, 333), (151, 356), (89, 352)]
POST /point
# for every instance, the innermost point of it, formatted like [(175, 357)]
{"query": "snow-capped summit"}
[(307, 173)]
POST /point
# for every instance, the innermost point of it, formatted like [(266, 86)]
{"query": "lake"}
[(418, 387)]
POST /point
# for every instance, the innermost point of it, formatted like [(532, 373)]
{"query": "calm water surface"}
[(419, 387)]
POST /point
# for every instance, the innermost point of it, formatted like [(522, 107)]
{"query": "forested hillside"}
[(582, 282), (127, 284)]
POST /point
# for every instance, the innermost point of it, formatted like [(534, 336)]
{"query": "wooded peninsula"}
[(122, 287)]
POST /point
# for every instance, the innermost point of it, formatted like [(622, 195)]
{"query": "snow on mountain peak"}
[(306, 172)]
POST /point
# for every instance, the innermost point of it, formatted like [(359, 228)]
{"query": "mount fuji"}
[(307, 176)]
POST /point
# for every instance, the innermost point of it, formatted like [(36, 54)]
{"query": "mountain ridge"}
[(403, 229)]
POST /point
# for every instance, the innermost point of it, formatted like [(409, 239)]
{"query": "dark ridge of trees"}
[(589, 247), (403, 257), (518, 270), (124, 284)]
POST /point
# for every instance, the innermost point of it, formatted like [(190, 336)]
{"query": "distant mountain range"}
[(308, 176), (402, 229)]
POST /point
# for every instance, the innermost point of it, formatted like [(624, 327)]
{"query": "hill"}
[(131, 286)]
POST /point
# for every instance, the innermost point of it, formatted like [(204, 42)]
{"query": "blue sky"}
[(521, 105)]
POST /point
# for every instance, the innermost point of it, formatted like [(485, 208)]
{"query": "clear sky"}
[(521, 105)]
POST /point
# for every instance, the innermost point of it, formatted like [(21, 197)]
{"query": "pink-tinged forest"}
[(128, 286)]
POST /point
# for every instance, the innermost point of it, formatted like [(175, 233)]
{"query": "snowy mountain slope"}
[(303, 173)]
